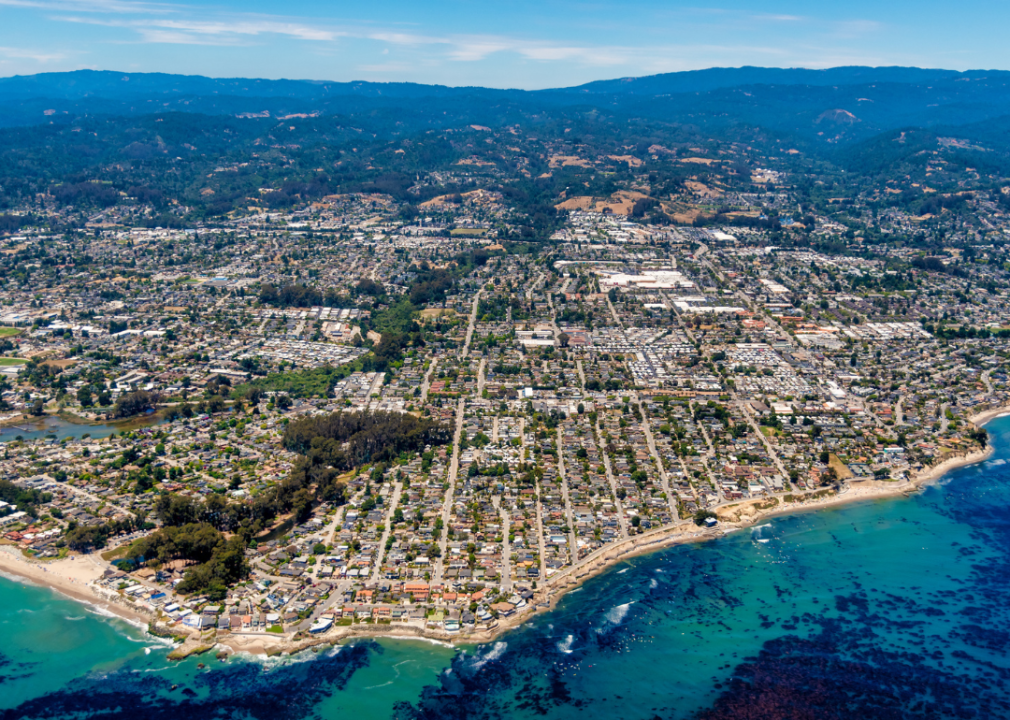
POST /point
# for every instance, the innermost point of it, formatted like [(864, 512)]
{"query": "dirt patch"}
[(579, 202), (686, 217), (630, 159), (698, 160), (620, 203), (557, 161), (623, 201), (699, 188), (742, 512)]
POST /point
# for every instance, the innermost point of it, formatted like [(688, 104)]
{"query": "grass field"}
[(6, 332), (468, 232), (436, 312), (12, 361), (841, 468)]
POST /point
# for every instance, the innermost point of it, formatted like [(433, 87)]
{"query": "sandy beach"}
[(71, 576)]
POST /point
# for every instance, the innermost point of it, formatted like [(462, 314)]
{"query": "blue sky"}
[(517, 43)]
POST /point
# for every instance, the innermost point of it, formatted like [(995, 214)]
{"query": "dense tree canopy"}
[(346, 439)]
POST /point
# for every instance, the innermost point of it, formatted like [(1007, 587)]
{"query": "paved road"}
[(573, 547), (426, 384), (613, 312), (746, 410), (91, 496), (506, 578), (651, 442), (443, 541), (622, 520), (381, 552), (540, 537), (473, 322)]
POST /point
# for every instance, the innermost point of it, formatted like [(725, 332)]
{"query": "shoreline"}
[(70, 576)]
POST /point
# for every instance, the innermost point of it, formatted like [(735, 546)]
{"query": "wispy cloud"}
[(778, 18), (209, 31), (118, 7), (432, 49), (38, 56), (856, 28)]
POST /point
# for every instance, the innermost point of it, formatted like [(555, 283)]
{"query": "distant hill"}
[(111, 85), (835, 106), (695, 81)]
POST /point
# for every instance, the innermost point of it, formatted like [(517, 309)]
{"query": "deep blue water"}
[(886, 609)]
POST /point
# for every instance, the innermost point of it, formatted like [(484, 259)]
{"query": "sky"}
[(515, 44)]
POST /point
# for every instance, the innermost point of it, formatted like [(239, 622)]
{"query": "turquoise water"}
[(885, 609)]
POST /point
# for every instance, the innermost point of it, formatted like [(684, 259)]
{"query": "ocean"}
[(891, 609)]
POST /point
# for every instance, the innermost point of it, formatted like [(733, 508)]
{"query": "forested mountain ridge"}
[(787, 100), (166, 150)]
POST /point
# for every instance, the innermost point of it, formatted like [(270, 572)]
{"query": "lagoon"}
[(59, 428)]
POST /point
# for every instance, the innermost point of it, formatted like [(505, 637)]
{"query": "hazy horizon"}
[(526, 45)]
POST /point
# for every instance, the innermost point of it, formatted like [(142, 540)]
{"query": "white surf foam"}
[(617, 614), (565, 645), (496, 651)]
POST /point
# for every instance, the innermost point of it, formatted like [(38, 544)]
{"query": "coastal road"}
[(540, 537), (381, 552), (569, 517), (746, 410), (708, 454), (622, 520), (443, 540), (506, 559), (651, 442)]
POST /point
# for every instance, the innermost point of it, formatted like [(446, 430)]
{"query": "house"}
[(503, 608), (419, 590), (322, 624)]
